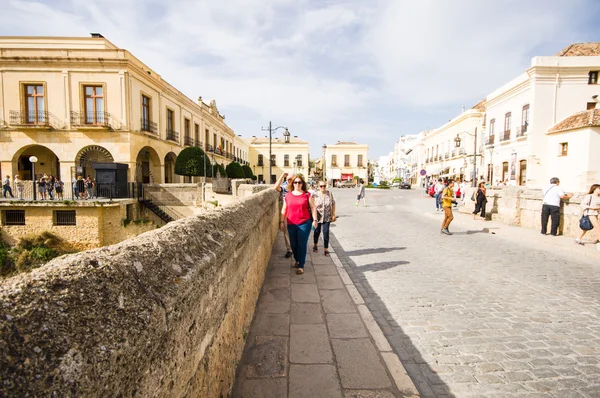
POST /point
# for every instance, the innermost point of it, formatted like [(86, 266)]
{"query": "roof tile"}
[(580, 50), (579, 120)]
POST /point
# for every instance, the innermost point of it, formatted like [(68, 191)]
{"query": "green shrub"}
[(248, 172), (235, 170), (192, 162)]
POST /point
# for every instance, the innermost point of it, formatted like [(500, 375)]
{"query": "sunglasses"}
[(321, 186), (297, 182)]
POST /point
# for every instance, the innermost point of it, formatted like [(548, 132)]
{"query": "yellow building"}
[(288, 155), (72, 102), (345, 161)]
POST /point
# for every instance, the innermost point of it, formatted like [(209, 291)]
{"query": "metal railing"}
[(91, 119), (34, 119), (208, 148), (149, 126), (172, 135), (153, 204), (521, 131), (505, 136), (69, 190), (188, 141), (490, 140), (446, 156)]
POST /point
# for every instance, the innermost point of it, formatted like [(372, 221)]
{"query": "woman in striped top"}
[(591, 207)]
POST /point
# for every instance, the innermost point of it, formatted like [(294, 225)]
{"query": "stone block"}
[(261, 388), (336, 302), (267, 357), (309, 381), (270, 325), (368, 372), (306, 313), (328, 269), (309, 344), (329, 282), (305, 293), (346, 326)]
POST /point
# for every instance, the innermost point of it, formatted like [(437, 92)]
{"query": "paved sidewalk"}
[(313, 336)]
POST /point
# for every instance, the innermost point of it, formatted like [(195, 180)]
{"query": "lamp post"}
[(271, 131), (457, 142), (323, 165), (33, 161), (491, 165)]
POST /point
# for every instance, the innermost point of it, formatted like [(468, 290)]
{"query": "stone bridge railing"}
[(160, 315)]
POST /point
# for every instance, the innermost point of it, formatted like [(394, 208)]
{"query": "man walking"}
[(439, 188), (447, 200), (283, 186), (6, 187), (553, 194)]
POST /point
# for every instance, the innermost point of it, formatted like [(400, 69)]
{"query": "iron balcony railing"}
[(188, 141), (446, 156), (505, 136), (149, 126), (172, 135), (461, 151), (91, 119), (34, 119), (208, 148), (521, 131), (260, 164), (490, 140)]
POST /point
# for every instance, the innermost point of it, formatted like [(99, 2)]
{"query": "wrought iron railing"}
[(208, 148), (160, 208), (521, 131), (505, 136), (490, 140), (188, 141), (462, 151), (91, 119), (149, 126), (42, 119), (446, 156), (172, 135)]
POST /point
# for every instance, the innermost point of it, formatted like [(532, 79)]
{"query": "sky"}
[(329, 70)]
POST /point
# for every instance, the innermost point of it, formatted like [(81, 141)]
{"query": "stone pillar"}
[(6, 168)]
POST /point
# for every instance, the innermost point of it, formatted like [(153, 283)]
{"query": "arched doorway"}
[(147, 166), (47, 162), (87, 156), (170, 167)]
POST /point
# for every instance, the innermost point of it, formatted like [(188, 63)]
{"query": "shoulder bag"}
[(584, 222)]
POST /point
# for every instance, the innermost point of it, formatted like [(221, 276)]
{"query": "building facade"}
[(288, 155), (73, 102), (345, 161)]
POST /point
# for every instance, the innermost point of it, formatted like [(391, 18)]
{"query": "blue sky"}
[(365, 71)]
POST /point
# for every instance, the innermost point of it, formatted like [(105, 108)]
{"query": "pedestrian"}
[(80, 187), (591, 207), (325, 204), (480, 201), (313, 189), (361, 193), (439, 188), (447, 201), (553, 194), (89, 187), (298, 209), (41, 184), (59, 187), (6, 187), (19, 186), (50, 187), (463, 190), (74, 188), (284, 185)]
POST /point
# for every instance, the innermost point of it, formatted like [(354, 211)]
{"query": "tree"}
[(221, 169), (247, 171), (192, 162), (235, 170)]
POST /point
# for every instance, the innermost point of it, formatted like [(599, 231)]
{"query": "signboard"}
[(348, 176), (423, 172), (513, 166)]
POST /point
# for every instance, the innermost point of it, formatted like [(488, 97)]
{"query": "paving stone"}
[(368, 394), (274, 301), (329, 282), (309, 381), (489, 367), (270, 325), (488, 378), (326, 270), (307, 277), (336, 302), (276, 282), (516, 376), (542, 386), (267, 356), (346, 326), (261, 388), (306, 313), (309, 344), (305, 293), (368, 372)]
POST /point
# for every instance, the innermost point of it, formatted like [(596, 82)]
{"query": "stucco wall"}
[(160, 315)]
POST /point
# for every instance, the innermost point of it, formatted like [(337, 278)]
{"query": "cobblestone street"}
[(473, 314)]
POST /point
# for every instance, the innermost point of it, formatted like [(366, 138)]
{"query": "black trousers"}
[(554, 213), (480, 207), (317, 232)]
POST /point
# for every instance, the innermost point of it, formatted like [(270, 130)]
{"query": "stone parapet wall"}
[(522, 206), (189, 194), (160, 315)]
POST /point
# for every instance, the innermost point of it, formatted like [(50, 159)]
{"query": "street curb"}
[(392, 362)]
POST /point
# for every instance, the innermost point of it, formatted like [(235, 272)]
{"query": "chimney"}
[(97, 36), (463, 109)]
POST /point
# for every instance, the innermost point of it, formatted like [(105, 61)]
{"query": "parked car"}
[(346, 184), (395, 185), (405, 185)]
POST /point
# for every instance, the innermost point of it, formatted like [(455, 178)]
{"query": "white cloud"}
[(330, 70)]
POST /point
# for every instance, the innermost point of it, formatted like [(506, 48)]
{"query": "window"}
[(261, 178), (492, 127), (525, 118), (64, 217), (299, 160), (94, 104), (504, 171), (197, 133), (13, 217), (334, 160), (273, 160), (591, 105), (186, 127), (346, 160), (146, 119), (286, 160), (507, 121), (260, 160), (34, 104), (206, 138), (593, 77), (360, 161), (170, 121), (563, 149)]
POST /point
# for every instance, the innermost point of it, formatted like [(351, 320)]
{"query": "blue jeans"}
[(5, 189), (438, 204), (299, 241)]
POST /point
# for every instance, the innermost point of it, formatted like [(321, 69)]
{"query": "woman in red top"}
[(297, 209)]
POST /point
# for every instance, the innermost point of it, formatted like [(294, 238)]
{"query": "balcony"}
[(446, 156), (172, 135), (521, 131), (505, 137), (33, 120), (148, 127), (260, 164), (333, 164), (188, 141), (454, 153), (209, 148), (91, 120), (490, 140)]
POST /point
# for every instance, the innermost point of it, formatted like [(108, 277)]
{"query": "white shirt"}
[(439, 187), (552, 195)]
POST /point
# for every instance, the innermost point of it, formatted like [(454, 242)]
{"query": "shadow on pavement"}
[(373, 251), (471, 232), (422, 374)]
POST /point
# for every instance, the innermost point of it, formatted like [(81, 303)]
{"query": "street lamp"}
[(491, 165), (457, 142), (271, 130), (323, 177), (33, 161)]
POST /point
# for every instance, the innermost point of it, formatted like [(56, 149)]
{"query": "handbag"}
[(473, 196), (584, 222)]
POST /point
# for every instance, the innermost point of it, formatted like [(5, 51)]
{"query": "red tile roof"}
[(480, 106), (580, 50), (579, 120)]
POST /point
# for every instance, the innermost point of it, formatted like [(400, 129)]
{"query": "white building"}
[(345, 161)]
